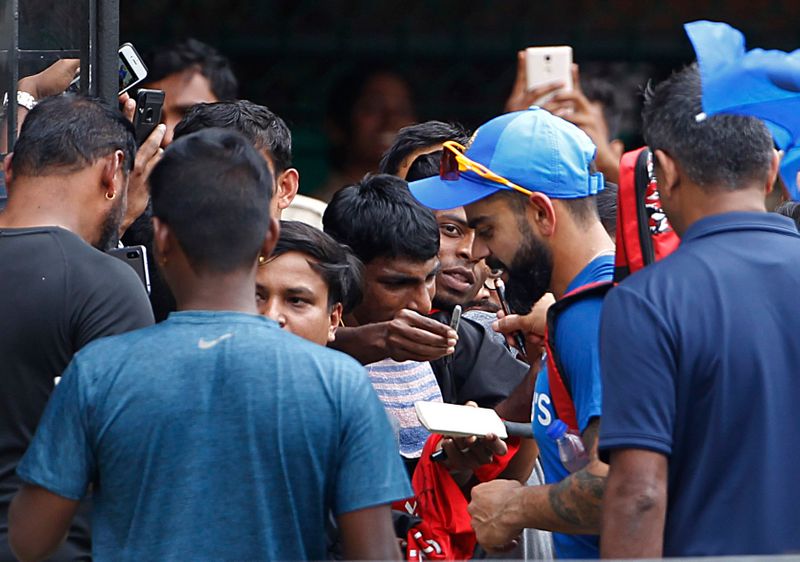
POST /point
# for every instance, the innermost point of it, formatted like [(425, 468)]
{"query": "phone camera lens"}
[(547, 58), (132, 255)]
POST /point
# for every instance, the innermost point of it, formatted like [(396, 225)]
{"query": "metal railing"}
[(99, 41)]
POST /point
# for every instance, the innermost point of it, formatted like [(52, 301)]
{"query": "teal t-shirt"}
[(215, 436)]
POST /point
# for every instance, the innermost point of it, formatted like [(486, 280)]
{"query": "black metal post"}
[(13, 73), (107, 46), (88, 34)]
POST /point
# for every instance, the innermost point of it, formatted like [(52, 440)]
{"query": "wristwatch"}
[(24, 99)]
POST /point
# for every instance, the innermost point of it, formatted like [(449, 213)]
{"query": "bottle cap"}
[(556, 430)]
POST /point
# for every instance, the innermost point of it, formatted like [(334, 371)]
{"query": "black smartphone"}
[(148, 113), (136, 257)]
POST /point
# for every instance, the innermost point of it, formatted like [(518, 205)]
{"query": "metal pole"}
[(106, 52), (13, 67), (87, 82)]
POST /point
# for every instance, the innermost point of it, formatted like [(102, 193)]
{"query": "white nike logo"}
[(206, 344)]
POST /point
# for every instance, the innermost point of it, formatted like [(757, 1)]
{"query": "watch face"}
[(26, 100)]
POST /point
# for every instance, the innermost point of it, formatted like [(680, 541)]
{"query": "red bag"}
[(445, 532), (644, 234)]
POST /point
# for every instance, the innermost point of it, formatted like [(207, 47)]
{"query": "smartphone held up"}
[(546, 66), (131, 70)]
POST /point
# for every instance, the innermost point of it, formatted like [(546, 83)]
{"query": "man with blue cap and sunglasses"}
[(528, 184)]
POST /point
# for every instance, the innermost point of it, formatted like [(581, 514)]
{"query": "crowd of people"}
[(257, 400)]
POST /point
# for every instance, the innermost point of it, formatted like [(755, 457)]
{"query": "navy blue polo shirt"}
[(700, 359)]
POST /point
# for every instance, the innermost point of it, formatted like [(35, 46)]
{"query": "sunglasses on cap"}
[(454, 161)]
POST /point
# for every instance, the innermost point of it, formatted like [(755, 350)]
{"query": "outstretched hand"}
[(411, 336), (532, 325), (52, 80)]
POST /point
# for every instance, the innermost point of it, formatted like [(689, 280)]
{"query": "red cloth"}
[(445, 532)]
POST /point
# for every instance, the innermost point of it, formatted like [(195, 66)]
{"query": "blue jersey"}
[(700, 360), (217, 436), (577, 341)]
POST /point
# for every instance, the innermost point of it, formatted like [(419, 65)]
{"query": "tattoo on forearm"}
[(578, 498)]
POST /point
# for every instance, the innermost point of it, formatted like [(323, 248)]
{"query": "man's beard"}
[(529, 273), (109, 235)]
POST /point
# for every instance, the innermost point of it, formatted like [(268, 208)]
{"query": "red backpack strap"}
[(629, 254), (560, 394), (644, 234)]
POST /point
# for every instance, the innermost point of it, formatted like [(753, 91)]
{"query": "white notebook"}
[(459, 421)]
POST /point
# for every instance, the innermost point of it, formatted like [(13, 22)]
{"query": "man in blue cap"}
[(528, 184)]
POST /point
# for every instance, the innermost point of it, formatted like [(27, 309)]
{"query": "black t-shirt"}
[(57, 294), (481, 369)]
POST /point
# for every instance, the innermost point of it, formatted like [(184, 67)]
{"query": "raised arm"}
[(409, 336)]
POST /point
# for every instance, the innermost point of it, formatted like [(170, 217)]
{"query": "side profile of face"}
[(503, 234), (383, 108), (182, 90), (392, 284), (291, 292), (458, 279)]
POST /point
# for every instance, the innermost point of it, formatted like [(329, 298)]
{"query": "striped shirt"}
[(398, 386)]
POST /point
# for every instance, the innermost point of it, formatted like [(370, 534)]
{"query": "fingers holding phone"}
[(548, 66), (148, 155)]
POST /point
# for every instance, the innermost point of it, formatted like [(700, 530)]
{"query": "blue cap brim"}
[(439, 194)]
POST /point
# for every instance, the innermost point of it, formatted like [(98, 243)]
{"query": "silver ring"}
[(465, 450)]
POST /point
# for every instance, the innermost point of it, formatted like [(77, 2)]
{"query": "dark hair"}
[(584, 209), (191, 53), (264, 129), (607, 208), (424, 166), (790, 209), (415, 137), (213, 189), (341, 270), (602, 91), (722, 151), (378, 217), (67, 133)]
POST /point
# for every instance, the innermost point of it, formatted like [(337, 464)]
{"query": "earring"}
[(113, 195)]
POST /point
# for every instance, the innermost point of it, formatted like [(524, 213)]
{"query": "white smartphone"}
[(131, 70), (459, 421), (548, 65)]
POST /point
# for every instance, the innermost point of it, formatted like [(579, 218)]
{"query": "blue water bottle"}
[(570, 446)]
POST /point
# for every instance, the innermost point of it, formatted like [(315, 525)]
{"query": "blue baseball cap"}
[(533, 149)]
